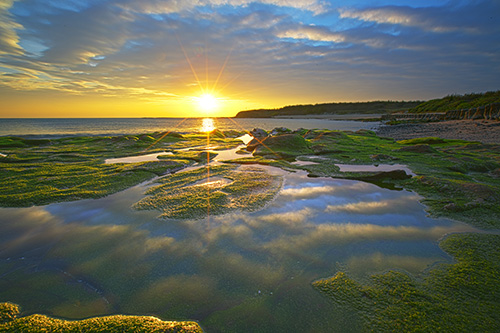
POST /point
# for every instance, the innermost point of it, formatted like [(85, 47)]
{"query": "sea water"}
[(51, 127)]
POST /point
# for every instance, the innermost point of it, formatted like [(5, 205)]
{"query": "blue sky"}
[(112, 56)]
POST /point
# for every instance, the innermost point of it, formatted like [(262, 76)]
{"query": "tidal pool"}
[(374, 168), (136, 159), (238, 272)]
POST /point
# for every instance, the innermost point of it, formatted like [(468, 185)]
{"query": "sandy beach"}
[(472, 130)]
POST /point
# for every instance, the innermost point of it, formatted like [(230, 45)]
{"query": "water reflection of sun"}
[(207, 126)]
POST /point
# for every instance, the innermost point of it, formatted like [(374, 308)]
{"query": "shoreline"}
[(484, 131), (352, 116)]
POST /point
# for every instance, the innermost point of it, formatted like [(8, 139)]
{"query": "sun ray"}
[(190, 63), (222, 70), (165, 134), (260, 141)]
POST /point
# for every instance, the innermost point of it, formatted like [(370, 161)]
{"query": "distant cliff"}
[(376, 107)]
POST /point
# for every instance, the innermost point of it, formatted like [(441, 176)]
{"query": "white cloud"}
[(175, 6), (428, 19), (312, 33), (9, 39)]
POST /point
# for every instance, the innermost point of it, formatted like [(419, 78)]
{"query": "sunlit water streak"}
[(241, 271)]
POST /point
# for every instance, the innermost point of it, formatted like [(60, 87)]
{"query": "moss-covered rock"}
[(281, 146), (8, 312), (9, 322), (211, 191), (460, 297)]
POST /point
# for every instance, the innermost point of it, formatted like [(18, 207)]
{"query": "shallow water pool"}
[(238, 272)]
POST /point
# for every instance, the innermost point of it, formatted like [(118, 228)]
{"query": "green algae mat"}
[(457, 179), (11, 322), (211, 191)]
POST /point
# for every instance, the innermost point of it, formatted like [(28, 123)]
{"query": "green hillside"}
[(458, 102), (376, 107)]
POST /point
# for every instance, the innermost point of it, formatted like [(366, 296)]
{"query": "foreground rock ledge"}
[(11, 322)]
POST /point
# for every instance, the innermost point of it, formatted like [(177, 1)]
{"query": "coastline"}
[(352, 116), (484, 131)]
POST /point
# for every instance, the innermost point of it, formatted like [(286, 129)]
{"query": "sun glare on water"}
[(207, 125)]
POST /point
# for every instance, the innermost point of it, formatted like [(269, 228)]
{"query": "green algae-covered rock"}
[(9, 322), (459, 297), (211, 191), (8, 312), (281, 146)]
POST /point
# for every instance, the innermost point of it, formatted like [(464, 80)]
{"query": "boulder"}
[(281, 146), (279, 131), (258, 133)]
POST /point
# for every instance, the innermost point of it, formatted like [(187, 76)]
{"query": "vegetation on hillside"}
[(376, 107), (450, 102), (458, 102)]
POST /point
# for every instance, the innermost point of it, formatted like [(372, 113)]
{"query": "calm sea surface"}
[(116, 126)]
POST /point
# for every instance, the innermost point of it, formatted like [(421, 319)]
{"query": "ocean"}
[(50, 127)]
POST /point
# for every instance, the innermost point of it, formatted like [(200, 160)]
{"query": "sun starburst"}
[(207, 102)]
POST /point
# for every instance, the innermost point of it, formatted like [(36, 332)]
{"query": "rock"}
[(381, 157), (495, 173), (254, 143), (382, 175), (258, 133), (422, 149), (322, 149), (279, 131), (281, 146), (452, 207), (218, 134), (146, 137)]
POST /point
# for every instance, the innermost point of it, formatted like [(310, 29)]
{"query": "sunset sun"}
[(207, 102)]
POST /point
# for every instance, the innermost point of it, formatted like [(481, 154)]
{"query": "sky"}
[(195, 58)]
